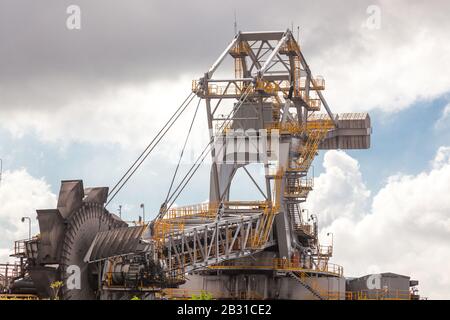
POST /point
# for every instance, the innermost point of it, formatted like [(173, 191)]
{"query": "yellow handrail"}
[(292, 265), (18, 297)]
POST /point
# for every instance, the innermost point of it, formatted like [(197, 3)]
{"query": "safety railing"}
[(18, 297), (333, 295), (162, 228), (234, 88), (174, 220), (237, 87), (205, 210), (322, 266), (9, 270), (294, 127), (284, 86), (325, 250), (305, 228), (318, 83), (19, 247), (314, 104), (26, 248), (300, 188), (188, 294), (379, 294), (241, 48), (290, 47), (246, 204), (267, 87), (278, 264)]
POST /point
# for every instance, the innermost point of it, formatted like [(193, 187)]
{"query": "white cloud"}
[(388, 68), (406, 229), (20, 195), (341, 180), (127, 115), (442, 158)]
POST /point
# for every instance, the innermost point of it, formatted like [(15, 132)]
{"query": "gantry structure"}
[(263, 106), (272, 96)]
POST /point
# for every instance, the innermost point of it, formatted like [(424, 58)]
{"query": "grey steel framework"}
[(271, 96)]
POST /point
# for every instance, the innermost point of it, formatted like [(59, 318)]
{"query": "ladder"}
[(300, 278)]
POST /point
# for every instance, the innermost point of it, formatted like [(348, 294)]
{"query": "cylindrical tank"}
[(23, 286), (125, 272)]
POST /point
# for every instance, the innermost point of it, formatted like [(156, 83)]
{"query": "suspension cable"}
[(183, 183), (154, 142), (148, 146), (182, 150)]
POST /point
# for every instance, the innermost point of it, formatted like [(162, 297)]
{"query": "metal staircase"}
[(299, 277)]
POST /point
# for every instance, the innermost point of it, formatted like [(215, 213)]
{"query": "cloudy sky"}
[(83, 104)]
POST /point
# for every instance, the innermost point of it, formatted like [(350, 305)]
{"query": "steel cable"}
[(150, 147), (203, 155)]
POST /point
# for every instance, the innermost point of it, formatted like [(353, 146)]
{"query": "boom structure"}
[(272, 95), (283, 98), (265, 110)]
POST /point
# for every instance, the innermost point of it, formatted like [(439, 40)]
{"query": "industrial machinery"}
[(267, 112)]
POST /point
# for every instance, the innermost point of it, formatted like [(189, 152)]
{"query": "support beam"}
[(273, 54), (256, 184), (222, 56)]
